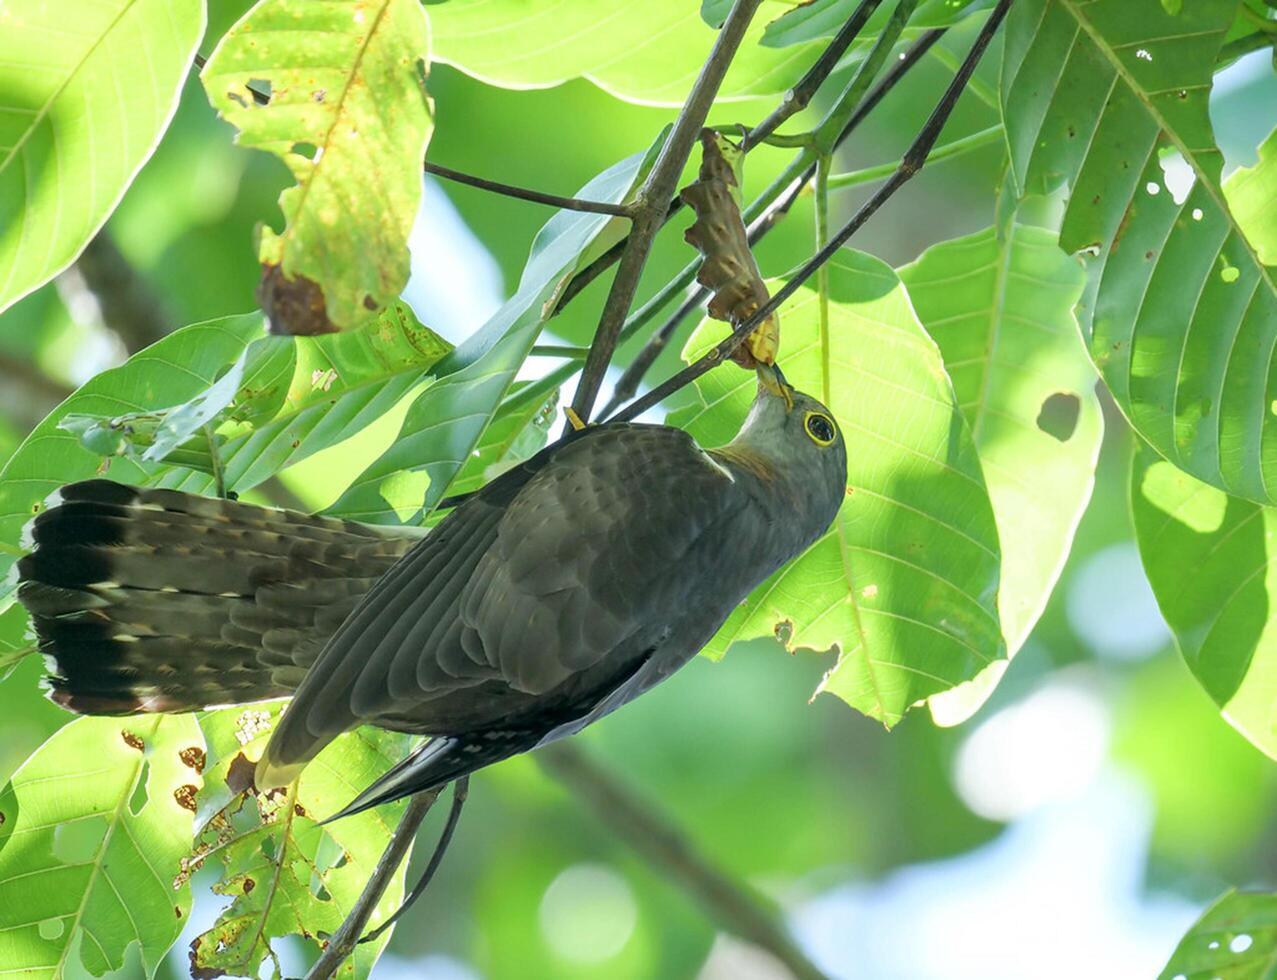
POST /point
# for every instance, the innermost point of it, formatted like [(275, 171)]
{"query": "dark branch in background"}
[(524, 194), (27, 394), (342, 943), (650, 210), (128, 306), (627, 387), (732, 905), (910, 164)]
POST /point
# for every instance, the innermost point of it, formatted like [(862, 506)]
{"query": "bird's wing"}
[(534, 580)]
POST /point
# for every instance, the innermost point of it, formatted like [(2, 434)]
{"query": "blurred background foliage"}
[(1075, 827)]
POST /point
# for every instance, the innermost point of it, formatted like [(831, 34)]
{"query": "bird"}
[(566, 587)]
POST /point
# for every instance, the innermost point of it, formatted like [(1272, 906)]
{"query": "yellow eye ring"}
[(820, 428)]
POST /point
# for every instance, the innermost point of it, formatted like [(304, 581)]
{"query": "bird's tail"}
[(156, 600)]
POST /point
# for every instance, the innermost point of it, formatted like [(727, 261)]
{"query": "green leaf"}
[(1207, 558), (905, 583), (648, 52), (285, 873), (1252, 197), (1000, 307), (94, 826), (297, 396), (1235, 939), (71, 140), (445, 423), (349, 115), (1180, 313), (178, 368), (824, 18), (520, 428)]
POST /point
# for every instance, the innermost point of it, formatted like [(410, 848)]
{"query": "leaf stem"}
[(910, 164), (526, 194), (958, 147), (651, 207), (560, 350), (342, 943), (219, 472)]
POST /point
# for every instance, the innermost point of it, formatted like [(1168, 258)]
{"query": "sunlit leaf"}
[(446, 421), (648, 52), (178, 368), (71, 140), (286, 875), (905, 583), (519, 429), (93, 828), (1207, 557), (349, 115), (1252, 197), (1181, 315), (1000, 306), (1235, 939)]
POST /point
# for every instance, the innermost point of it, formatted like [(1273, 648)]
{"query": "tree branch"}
[(911, 163), (651, 209), (342, 943), (128, 306), (524, 194), (730, 903)]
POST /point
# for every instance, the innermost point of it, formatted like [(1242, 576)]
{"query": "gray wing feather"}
[(535, 580)]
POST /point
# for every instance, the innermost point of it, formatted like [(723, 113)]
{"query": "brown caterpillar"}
[(729, 269)]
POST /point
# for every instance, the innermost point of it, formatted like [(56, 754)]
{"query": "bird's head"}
[(801, 443)]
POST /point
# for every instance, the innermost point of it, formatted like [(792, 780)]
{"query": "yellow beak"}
[(772, 378)]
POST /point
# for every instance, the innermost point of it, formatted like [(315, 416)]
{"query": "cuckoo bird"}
[(566, 587)]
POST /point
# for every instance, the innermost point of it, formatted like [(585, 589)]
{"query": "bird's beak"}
[(772, 378)]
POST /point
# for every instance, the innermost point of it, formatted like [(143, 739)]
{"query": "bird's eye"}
[(820, 427)]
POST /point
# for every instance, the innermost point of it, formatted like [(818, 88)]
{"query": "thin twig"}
[(460, 792), (342, 943), (798, 97), (730, 903), (650, 208), (912, 162), (525, 194)]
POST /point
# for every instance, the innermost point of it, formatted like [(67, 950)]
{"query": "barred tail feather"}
[(155, 600)]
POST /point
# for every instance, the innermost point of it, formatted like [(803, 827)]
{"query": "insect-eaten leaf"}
[(337, 91), (294, 306), (286, 875), (903, 587), (719, 235)]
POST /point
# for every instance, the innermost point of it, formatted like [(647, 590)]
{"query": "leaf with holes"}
[(648, 52), (1235, 939), (905, 583), (999, 304), (286, 875), (349, 115), (446, 422), (92, 831), (1179, 312), (1252, 197), (70, 141), (1208, 557)]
